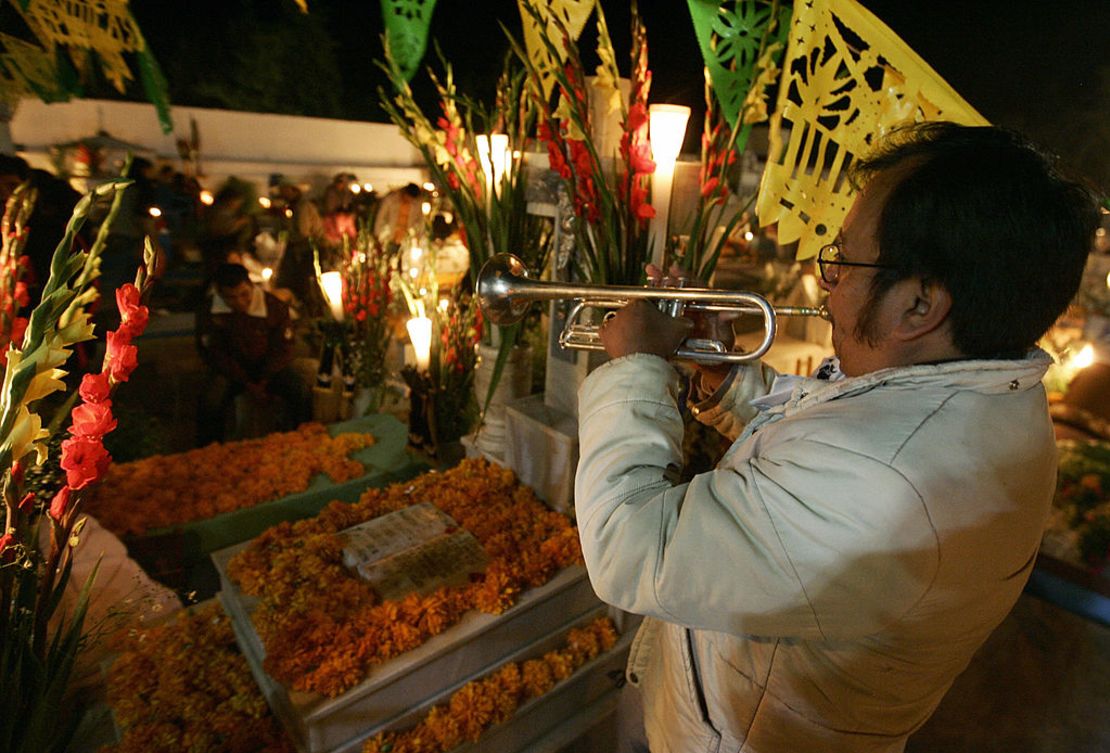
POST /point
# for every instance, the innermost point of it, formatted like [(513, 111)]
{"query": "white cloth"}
[(821, 589), (123, 596)]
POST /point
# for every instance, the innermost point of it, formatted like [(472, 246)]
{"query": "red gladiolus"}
[(95, 388), (133, 315), (27, 502), (637, 116), (92, 420), (639, 159), (22, 294), (84, 460), (120, 357), (7, 547), (60, 504)]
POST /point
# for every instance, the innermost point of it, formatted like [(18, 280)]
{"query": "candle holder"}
[(421, 409), (331, 400)]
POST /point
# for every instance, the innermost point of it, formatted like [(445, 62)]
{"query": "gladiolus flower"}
[(7, 547), (95, 388), (133, 315), (92, 420), (22, 294), (60, 504), (84, 460), (27, 502), (640, 160), (120, 357)]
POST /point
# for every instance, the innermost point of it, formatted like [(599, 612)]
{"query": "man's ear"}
[(925, 307)]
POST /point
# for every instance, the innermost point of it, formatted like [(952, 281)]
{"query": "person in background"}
[(245, 338), (871, 525), (296, 271), (228, 226), (339, 217), (399, 215), (123, 251)]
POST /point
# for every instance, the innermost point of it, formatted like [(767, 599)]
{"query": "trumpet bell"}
[(496, 287)]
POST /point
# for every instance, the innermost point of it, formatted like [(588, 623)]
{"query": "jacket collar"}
[(984, 376)]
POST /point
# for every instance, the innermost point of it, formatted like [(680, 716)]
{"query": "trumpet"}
[(505, 292)]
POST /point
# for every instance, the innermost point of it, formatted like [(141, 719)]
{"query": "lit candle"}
[(331, 283), (668, 131), (420, 333), (495, 157)]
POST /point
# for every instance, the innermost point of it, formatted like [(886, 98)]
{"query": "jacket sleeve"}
[(728, 409), (802, 540)]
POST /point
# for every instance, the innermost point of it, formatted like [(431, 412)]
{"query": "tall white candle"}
[(668, 131), (420, 333), (331, 283)]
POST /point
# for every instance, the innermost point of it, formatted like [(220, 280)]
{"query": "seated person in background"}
[(245, 336)]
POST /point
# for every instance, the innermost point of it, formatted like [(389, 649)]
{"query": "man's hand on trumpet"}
[(640, 327)]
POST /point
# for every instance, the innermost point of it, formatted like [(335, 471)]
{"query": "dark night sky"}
[(1040, 67)]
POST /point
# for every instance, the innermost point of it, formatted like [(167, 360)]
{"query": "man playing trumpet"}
[(821, 589)]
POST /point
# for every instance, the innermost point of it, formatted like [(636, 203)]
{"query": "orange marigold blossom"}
[(184, 685), (162, 491), (493, 699), (315, 617)]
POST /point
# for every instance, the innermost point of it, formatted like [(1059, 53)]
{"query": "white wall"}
[(250, 146)]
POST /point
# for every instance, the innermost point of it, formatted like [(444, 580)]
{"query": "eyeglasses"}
[(828, 261)]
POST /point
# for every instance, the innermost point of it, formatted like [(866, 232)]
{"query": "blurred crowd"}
[(274, 233)]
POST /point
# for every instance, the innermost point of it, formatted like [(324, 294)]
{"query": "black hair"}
[(987, 216), (13, 165), (230, 276)]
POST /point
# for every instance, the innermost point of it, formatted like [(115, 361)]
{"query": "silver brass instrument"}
[(505, 291)]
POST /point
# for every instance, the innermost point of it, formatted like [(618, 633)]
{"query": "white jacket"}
[(822, 588)]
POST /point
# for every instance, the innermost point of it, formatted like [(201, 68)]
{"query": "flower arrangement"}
[(367, 272), (443, 407), (184, 685), (612, 213), (493, 699), (323, 628), (162, 491), (1081, 509), (38, 644), (473, 152)]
